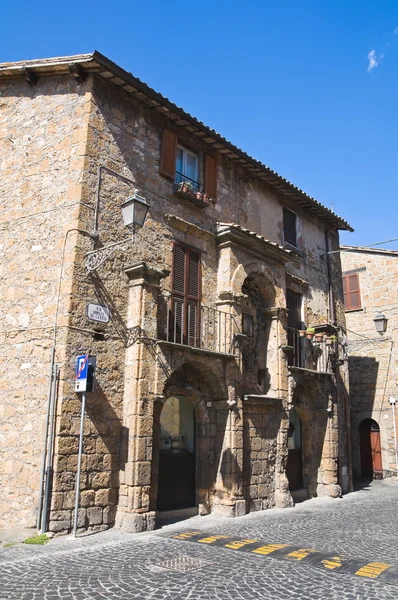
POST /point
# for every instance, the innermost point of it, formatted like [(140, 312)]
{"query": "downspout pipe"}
[(50, 415)]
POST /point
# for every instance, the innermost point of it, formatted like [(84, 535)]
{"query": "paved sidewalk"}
[(362, 525)]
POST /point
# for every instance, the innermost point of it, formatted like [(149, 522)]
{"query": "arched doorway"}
[(294, 467), (176, 478), (370, 449)]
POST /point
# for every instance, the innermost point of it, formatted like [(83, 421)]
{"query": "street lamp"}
[(134, 211), (380, 322)]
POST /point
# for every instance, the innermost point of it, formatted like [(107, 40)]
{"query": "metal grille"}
[(206, 327), (181, 564), (308, 354)]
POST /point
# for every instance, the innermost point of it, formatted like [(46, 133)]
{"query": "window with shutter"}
[(194, 179), (185, 308), (168, 154), (352, 296)]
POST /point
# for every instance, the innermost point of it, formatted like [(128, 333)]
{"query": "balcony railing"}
[(309, 354), (191, 183), (190, 323)]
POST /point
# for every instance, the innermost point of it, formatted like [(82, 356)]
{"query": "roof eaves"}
[(210, 136)]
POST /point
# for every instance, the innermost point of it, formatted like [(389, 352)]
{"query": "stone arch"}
[(356, 419), (260, 350), (201, 387), (242, 271)]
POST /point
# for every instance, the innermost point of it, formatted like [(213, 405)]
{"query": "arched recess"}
[(192, 390), (370, 449), (315, 433), (257, 352)]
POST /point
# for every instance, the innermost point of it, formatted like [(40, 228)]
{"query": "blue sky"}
[(310, 88)]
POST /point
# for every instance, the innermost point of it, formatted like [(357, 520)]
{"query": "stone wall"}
[(373, 360), (80, 150), (43, 132)]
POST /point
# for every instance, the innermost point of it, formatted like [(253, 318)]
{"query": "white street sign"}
[(98, 312)]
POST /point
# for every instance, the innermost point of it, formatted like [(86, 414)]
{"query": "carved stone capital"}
[(229, 297), (141, 274)]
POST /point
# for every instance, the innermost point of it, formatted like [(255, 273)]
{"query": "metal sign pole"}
[(395, 436), (79, 463)]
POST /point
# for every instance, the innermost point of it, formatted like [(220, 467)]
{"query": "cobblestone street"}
[(362, 525)]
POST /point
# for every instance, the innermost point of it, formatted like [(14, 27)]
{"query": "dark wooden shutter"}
[(168, 154), (352, 295), (185, 310), (210, 176)]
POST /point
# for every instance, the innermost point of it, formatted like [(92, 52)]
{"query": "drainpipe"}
[(332, 313)]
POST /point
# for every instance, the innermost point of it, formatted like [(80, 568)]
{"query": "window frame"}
[(185, 153), (347, 292), (289, 241), (185, 296)]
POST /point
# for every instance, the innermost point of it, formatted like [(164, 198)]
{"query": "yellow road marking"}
[(372, 569), (301, 553), (186, 535), (213, 538), (334, 562), (239, 544), (269, 548)]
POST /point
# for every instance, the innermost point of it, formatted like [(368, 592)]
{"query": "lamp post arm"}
[(95, 258)]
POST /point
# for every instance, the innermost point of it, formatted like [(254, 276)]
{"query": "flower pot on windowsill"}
[(318, 337), (309, 333), (186, 191), (301, 332)]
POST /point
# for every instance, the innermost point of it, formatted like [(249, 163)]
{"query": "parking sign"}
[(81, 373)]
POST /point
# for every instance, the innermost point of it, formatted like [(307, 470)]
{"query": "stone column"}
[(229, 499), (134, 514), (283, 498), (328, 470)]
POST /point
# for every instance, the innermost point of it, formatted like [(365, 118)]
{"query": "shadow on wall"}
[(363, 373), (260, 433)]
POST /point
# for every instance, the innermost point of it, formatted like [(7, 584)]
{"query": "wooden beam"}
[(78, 73), (30, 76)]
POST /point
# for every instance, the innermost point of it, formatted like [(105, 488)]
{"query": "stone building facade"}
[(370, 278), (205, 393)]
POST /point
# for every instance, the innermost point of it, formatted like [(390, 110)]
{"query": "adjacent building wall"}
[(373, 358)]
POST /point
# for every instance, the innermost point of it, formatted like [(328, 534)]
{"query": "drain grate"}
[(181, 564)]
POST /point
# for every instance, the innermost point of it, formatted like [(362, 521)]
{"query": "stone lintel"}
[(187, 227), (262, 399), (255, 244), (141, 274), (297, 280)]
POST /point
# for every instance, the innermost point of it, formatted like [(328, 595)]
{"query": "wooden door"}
[(370, 450), (376, 454)]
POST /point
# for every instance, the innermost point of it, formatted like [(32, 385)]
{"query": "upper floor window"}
[(184, 320), (187, 167), (183, 165), (289, 227), (352, 294)]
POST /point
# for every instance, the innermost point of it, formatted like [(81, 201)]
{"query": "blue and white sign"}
[(81, 373)]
